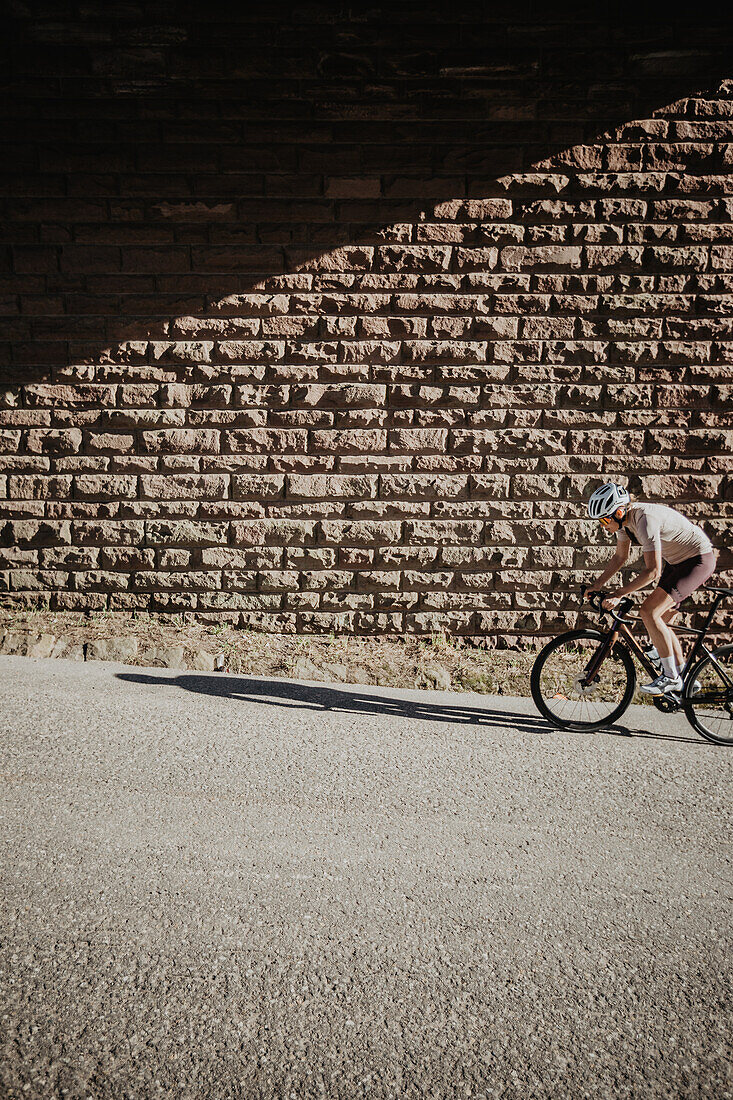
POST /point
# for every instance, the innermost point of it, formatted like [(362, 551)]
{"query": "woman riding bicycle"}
[(678, 558)]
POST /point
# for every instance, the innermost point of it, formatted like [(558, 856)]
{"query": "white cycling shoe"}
[(662, 685)]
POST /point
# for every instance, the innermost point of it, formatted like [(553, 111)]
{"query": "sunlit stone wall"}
[(314, 323)]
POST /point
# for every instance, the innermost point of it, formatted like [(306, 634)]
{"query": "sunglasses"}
[(606, 521)]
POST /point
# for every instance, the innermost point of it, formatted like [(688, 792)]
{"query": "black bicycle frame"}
[(700, 648), (621, 629)]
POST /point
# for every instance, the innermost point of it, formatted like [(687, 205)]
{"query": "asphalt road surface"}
[(222, 887)]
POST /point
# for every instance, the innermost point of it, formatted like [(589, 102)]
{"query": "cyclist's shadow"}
[(347, 698), (355, 699)]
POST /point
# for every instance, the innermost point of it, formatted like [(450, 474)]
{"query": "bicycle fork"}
[(592, 668)]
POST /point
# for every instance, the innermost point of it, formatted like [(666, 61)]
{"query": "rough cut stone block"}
[(476, 259), (164, 657), (38, 487), (123, 650), (41, 646), (545, 257), (438, 532), (321, 622), (228, 557), (112, 442), (313, 486), (267, 440), (419, 440), (35, 533), (274, 532), (420, 258), (444, 351), (104, 486), (126, 557), (202, 661), (70, 396), (185, 532), (348, 442), (360, 532), (66, 441), (181, 441), (423, 486), (184, 486)]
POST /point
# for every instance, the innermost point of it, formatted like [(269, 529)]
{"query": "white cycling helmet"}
[(604, 501)]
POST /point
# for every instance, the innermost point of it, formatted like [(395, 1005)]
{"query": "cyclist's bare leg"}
[(669, 618), (657, 604)]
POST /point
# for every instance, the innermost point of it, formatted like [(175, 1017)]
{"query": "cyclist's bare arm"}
[(617, 562), (650, 574)]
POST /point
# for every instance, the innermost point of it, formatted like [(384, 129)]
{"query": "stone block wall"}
[(324, 318)]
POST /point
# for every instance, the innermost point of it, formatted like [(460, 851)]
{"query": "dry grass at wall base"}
[(435, 661), (401, 661)]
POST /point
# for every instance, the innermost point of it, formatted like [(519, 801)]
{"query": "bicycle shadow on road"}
[(353, 699), (349, 698)]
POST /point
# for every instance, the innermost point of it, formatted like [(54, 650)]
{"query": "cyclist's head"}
[(608, 504)]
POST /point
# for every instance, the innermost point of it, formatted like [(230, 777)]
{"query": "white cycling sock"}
[(670, 667)]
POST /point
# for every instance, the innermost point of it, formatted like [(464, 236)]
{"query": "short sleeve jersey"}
[(657, 527)]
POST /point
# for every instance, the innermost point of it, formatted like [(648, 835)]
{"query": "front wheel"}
[(564, 700), (708, 698)]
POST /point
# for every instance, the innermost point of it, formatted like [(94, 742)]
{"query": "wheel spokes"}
[(564, 687), (712, 703)]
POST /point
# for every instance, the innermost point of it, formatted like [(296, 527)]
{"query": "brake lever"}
[(596, 601)]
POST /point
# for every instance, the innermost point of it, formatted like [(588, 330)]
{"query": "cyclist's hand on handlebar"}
[(609, 601), (593, 596)]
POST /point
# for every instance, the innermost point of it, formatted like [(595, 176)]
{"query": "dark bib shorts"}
[(680, 580)]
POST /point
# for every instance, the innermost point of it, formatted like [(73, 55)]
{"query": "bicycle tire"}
[(619, 654), (694, 702)]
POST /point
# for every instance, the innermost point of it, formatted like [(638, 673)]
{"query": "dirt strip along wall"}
[(326, 318)]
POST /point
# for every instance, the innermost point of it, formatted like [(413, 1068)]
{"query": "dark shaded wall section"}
[(327, 317)]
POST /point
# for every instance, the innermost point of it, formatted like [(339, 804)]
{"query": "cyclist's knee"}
[(652, 614)]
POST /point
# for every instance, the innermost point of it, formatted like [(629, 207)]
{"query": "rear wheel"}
[(709, 706), (558, 691)]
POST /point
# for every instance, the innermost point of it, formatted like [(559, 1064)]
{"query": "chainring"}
[(667, 704)]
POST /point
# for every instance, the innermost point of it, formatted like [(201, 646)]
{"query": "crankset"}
[(668, 703)]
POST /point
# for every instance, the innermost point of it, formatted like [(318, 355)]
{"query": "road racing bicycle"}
[(585, 679)]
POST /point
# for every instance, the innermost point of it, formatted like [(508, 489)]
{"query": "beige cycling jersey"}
[(657, 527)]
